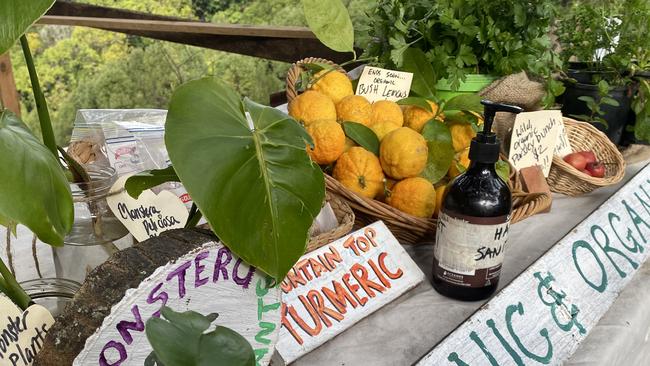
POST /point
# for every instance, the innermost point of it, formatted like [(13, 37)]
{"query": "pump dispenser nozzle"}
[(485, 146)]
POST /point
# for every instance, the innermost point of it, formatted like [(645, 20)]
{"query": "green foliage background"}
[(87, 68)]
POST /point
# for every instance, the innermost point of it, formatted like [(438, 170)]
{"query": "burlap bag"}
[(515, 89)]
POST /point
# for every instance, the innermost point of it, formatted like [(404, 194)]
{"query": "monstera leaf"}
[(251, 178), (34, 190), (180, 340), (16, 16)]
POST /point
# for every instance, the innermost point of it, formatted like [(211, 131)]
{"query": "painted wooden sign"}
[(150, 214), (335, 286), (535, 136), (21, 332), (381, 84), (207, 280), (544, 314)]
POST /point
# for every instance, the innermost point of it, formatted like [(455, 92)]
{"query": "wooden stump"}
[(114, 289)]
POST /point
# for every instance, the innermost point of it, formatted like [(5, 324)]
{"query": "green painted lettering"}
[(519, 308), (261, 308), (267, 328), (558, 302), (636, 219), (607, 249), (515, 356), (474, 336), (603, 280), (453, 357), (636, 247)]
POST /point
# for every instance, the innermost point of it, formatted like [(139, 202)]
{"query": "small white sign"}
[(210, 279), (534, 139), (546, 312), (335, 286), (21, 332), (150, 214), (563, 147), (381, 84)]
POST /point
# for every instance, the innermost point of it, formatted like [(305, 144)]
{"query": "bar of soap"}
[(533, 181)]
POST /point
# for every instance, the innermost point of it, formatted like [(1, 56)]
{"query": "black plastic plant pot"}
[(588, 73), (616, 117)]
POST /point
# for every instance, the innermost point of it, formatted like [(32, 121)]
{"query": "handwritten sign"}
[(381, 84), (534, 137), (544, 314), (150, 214), (208, 280), (563, 147), (335, 286), (21, 332)]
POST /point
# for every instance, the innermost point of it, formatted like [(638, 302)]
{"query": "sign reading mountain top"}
[(546, 312), (335, 286), (207, 280)]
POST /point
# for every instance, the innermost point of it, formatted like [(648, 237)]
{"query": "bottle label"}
[(469, 251)]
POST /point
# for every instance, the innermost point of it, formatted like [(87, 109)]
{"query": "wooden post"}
[(8, 92)]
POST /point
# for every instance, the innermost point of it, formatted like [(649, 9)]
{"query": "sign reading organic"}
[(335, 286), (150, 214), (21, 332), (544, 314), (208, 280), (381, 84), (534, 139)]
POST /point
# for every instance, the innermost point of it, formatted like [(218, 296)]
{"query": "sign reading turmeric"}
[(332, 288)]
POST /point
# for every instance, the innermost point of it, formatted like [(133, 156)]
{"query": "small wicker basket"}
[(297, 68), (345, 217), (564, 178)]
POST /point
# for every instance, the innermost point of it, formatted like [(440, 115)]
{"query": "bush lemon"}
[(312, 106), (403, 153), (329, 141), (359, 170), (415, 196)]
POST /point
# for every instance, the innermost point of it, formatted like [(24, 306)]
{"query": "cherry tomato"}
[(596, 169)]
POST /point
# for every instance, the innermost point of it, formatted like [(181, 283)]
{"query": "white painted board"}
[(546, 312), (207, 280), (335, 286)]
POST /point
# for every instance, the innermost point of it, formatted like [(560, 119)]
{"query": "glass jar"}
[(95, 229), (51, 293)]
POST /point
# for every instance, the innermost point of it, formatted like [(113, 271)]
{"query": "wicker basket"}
[(582, 136), (296, 69), (345, 217), (410, 229)]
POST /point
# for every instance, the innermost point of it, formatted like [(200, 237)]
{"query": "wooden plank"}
[(332, 288), (179, 27), (546, 312), (8, 91)]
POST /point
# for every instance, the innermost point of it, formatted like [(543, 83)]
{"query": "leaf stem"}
[(194, 217), (39, 98), (11, 288)]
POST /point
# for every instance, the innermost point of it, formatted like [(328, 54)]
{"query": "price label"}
[(534, 139), (381, 84)]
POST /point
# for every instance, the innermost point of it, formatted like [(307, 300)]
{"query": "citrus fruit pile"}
[(394, 175)]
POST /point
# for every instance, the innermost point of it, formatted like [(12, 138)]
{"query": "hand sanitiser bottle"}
[(474, 219)]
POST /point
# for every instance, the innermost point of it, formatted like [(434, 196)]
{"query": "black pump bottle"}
[(474, 220)]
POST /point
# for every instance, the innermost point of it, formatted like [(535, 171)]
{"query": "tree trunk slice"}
[(106, 285)]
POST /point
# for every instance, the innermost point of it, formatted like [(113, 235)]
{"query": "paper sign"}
[(381, 84), (335, 286), (546, 312), (534, 137), (208, 280), (149, 215), (562, 147), (21, 333)]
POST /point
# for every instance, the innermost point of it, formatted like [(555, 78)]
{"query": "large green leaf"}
[(464, 102), (362, 135), (257, 187), (330, 22), (180, 341), (441, 150), (416, 101), (16, 16), (34, 190), (148, 179), (415, 61)]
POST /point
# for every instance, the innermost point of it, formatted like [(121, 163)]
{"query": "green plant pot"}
[(472, 84)]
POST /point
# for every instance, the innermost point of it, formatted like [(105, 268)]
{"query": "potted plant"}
[(605, 46), (470, 43)]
